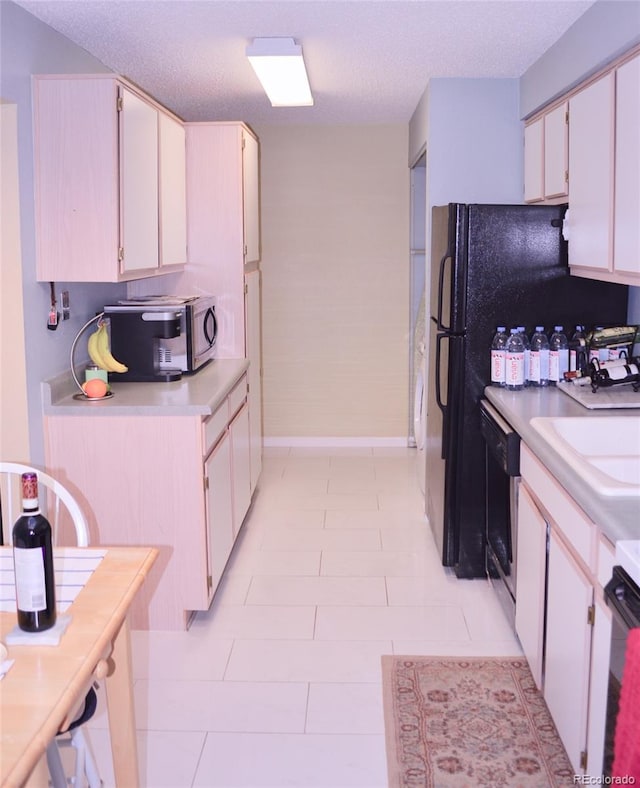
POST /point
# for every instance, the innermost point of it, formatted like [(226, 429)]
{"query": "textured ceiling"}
[(368, 61)]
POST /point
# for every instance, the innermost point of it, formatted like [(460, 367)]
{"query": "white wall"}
[(27, 47), (335, 263)]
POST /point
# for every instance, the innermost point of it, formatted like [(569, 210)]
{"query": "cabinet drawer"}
[(215, 425), (570, 520), (237, 396)]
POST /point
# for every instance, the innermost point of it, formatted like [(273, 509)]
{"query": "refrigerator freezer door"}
[(448, 270)]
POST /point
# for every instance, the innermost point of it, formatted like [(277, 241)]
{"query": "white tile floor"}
[(279, 683)]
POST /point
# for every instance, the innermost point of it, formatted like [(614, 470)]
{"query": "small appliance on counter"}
[(161, 337)]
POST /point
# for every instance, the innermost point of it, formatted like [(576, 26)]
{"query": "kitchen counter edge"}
[(198, 394), (617, 517)]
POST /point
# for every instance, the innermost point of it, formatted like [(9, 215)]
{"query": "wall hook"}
[(54, 315)]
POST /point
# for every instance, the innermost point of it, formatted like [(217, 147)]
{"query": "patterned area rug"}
[(469, 723)]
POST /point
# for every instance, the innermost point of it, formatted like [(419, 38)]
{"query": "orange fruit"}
[(95, 388)]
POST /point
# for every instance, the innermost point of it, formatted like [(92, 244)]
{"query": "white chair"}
[(10, 510)]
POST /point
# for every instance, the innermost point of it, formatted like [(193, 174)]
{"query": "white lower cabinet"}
[(178, 482), (568, 649), (562, 622), (219, 510), (531, 575), (599, 686), (241, 465)]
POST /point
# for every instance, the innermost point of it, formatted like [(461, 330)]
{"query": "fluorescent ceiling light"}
[(280, 68)]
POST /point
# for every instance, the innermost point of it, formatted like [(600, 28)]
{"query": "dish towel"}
[(626, 747)]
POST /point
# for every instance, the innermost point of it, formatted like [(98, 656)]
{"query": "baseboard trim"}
[(365, 442)]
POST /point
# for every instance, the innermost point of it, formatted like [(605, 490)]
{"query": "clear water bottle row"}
[(517, 361)]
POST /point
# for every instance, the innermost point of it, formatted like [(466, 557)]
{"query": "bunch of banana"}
[(99, 352)]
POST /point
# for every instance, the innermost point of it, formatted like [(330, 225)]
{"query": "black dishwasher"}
[(623, 598), (502, 477)]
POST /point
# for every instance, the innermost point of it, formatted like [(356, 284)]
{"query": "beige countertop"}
[(618, 518), (197, 394)]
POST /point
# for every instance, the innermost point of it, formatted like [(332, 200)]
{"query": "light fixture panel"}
[(279, 66)]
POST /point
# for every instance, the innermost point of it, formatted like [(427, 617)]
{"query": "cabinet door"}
[(627, 168), (598, 688), (556, 152), (76, 179), (254, 354), (591, 139), (568, 649), (217, 472), (241, 464), (533, 161), (531, 570), (251, 197), (173, 192), (139, 180)]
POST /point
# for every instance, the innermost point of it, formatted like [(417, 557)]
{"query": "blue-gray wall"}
[(475, 136), (27, 47), (605, 31)]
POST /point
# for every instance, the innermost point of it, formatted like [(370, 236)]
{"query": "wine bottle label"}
[(31, 592), (622, 372)]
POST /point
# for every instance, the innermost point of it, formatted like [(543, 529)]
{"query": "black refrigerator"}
[(490, 265)]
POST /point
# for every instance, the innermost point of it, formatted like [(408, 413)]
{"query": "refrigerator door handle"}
[(443, 407), (447, 256)]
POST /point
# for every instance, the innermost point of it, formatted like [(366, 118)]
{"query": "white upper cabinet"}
[(173, 192), (546, 156), (107, 182), (534, 161), (604, 164), (222, 200), (251, 197), (556, 152), (591, 135), (626, 240), (139, 173)]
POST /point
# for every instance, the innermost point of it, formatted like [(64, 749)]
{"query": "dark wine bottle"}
[(33, 562)]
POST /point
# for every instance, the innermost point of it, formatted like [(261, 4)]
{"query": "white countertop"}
[(618, 518), (192, 395)]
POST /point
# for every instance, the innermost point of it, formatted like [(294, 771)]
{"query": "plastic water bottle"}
[(558, 355), (527, 353), (498, 357), (539, 358), (514, 375)]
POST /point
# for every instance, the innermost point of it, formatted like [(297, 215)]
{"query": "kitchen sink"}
[(603, 450)]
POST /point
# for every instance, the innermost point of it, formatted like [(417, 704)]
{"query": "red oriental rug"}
[(469, 723)]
